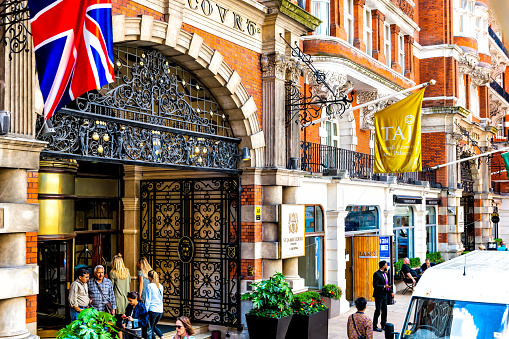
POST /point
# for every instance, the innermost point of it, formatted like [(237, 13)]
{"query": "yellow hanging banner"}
[(398, 136)]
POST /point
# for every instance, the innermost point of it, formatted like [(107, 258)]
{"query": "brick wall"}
[(435, 22), (434, 153), (444, 71), (240, 59), (31, 243), (251, 231), (132, 9)]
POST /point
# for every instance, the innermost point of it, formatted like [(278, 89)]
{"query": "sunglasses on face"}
[(178, 327)]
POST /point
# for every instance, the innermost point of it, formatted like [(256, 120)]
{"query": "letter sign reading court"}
[(291, 224), (398, 136), (225, 16)]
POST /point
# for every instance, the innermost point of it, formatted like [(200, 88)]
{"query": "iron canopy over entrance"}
[(155, 113), (190, 235)]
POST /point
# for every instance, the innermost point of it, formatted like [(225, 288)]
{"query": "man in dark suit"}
[(381, 289)]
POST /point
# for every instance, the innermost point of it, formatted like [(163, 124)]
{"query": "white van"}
[(466, 297)]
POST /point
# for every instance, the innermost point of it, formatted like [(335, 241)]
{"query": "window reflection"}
[(448, 319), (361, 218)]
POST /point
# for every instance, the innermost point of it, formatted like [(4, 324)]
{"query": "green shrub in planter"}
[(435, 257), (91, 324), (415, 262), (331, 291), (310, 320), (271, 298), (271, 313)]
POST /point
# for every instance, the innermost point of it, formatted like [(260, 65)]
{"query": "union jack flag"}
[(73, 43)]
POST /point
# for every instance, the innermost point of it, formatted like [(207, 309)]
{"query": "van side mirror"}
[(389, 331)]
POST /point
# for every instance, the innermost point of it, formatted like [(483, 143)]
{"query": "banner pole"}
[(469, 158), (431, 82)]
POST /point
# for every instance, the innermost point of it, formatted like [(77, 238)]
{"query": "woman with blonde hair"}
[(154, 304), (120, 278), (184, 328), (144, 268)]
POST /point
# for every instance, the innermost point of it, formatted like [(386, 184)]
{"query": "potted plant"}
[(331, 295), (90, 324), (271, 313), (310, 319)]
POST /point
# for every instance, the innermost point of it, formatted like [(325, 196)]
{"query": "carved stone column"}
[(273, 90), (293, 72)]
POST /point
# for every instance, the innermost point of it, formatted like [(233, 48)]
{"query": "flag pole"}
[(469, 158), (426, 84)]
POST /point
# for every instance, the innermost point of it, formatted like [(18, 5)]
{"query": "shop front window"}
[(311, 265), (431, 230), (403, 232), (361, 218)]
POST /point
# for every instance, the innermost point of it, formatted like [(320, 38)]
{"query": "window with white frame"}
[(401, 48), (368, 31), (332, 128), (320, 9), (466, 16), (387, 42), (349, 20)]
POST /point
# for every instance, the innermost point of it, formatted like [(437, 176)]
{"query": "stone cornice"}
[(361, 69), (298, 14)]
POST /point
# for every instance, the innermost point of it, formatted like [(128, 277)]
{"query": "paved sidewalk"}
[(395, 314)]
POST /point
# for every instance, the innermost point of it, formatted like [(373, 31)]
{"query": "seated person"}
[(427, 264), (408, 272)]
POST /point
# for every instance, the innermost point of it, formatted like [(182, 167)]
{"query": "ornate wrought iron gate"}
[(190, 234)]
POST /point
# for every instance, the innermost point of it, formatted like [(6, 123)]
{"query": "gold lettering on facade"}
[(191, 6), (237, 22), (293, 222), (222, 12), (206, 7)]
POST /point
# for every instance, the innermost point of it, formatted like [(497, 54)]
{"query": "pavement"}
[(395, 315)]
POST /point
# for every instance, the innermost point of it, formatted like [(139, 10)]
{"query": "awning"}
[(407, 199), (433, 201)]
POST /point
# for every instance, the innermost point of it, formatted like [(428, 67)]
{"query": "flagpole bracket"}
[(310, 105)]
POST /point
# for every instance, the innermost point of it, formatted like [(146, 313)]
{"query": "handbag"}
[(108, 306), (361, 336)]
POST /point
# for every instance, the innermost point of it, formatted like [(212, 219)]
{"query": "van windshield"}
[(449, 319)]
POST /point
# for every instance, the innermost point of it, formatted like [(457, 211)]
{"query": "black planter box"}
[(267, 328), (314, 326)]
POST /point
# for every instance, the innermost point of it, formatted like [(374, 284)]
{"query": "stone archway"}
[(208, 66)]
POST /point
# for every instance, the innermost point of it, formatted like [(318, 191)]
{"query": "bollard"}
[(216, 335), (389, 331)]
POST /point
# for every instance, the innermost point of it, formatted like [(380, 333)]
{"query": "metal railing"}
[(318, 158), (497, 40), (500, 90)]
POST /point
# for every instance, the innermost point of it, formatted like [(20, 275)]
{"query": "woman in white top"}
[(154, 304)]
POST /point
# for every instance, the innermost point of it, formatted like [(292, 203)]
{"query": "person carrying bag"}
[(363, 327)]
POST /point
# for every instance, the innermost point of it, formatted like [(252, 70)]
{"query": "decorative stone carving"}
[(454, 138), (497, 109), (481, 76), (338, 82), (367, 114), (498, 64), (273, 65), (294, 70), (468, 62)]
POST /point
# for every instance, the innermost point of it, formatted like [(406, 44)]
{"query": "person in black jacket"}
[(135, 317), (381, 289)]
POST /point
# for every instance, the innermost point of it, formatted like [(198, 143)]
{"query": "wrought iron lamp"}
[(245, 155)]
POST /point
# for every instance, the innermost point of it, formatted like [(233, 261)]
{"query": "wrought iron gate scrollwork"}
[(191, 236), (155, 113)]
